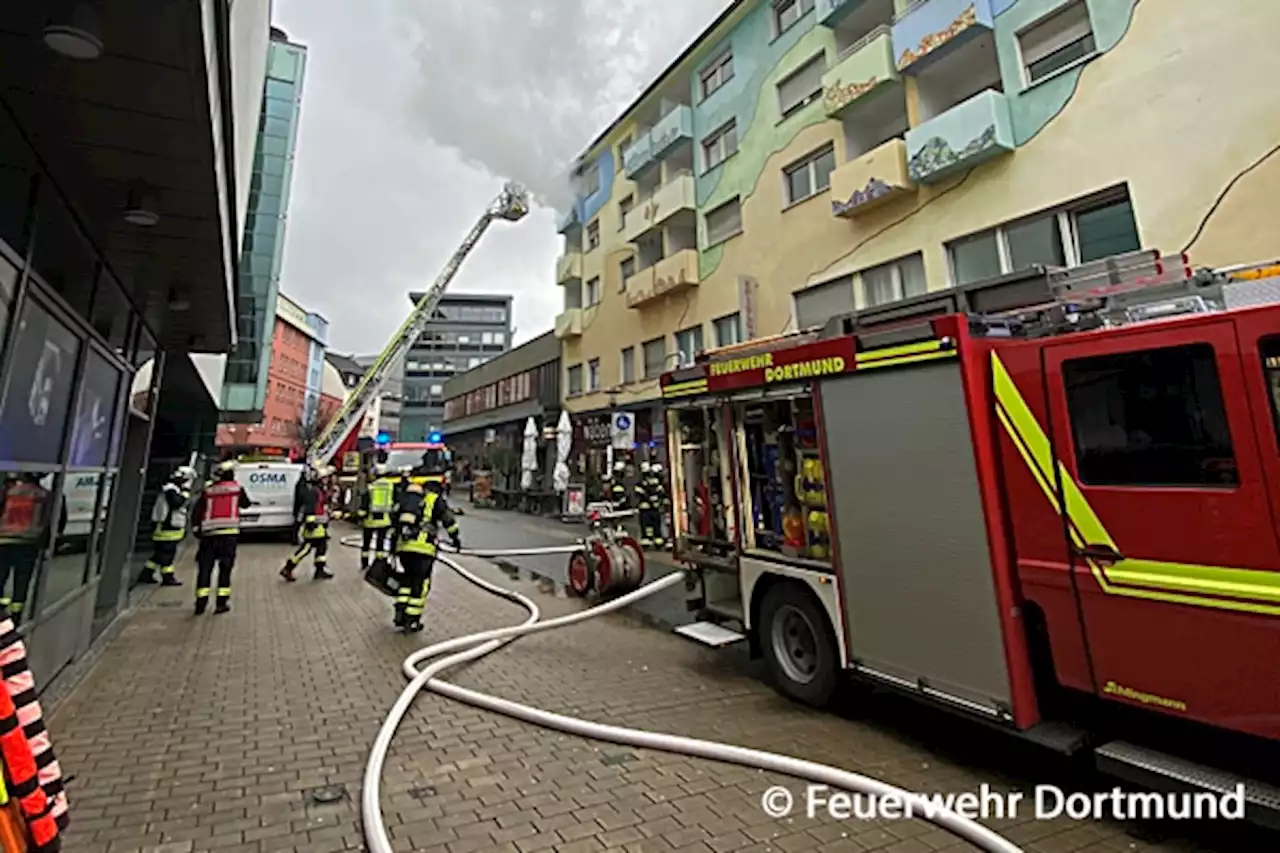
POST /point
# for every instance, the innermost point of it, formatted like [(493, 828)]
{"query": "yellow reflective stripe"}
[(202, 592), (680, 389), (894, 352), (906, 359), (1173, 583), (224, 591)]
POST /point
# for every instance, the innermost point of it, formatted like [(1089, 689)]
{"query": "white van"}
[(271, 486)]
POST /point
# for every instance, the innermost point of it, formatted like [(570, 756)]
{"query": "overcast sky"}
[(415, 111)]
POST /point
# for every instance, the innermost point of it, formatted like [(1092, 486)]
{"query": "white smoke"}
[(521, 87)]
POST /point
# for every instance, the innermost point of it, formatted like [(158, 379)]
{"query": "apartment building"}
[(806, 157), (466, 330)]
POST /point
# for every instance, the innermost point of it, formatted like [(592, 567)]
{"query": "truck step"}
[(1058, 736), (726, 610), (710, 634), (1161, 771)]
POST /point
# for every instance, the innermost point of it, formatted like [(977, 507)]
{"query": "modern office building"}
[(244, 390), (466, 331), (119, 224), (295, 383), (803, 158)]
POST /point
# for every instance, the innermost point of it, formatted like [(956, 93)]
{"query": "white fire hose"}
[(480, 644)]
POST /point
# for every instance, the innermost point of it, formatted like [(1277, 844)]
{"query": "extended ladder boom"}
[(511, 205)]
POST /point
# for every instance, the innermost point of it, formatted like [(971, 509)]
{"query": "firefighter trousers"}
[(311, 544), (376, 543), (412, 599), (164, 552), (17, 560), (219, 548), (651, 528)]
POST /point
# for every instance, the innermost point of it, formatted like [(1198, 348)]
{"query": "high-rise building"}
[(803, 158), (244, 389), (466, 331)]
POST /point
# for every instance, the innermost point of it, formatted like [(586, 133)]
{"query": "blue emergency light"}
[(383, 438), (434, 438)]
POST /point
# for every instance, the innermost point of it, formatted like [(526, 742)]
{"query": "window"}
[(575, 380), (655, 357), (1150, 418), (719, 145), (466, 339), (591, 181), (626, 269), (593, 234), (1057, 41), (818, 304), (1073, 235), (718, 72), (624, 207), (895, 280), (436, 390), (628, 359), (728, 330), (787, 12), (474, 362), (593, 375), (689, 344), (624, 146), (1270, 350), (802, 87), (593, 292), (809, 176), (724, 222)]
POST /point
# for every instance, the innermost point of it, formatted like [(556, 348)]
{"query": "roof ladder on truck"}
[(511, 205)]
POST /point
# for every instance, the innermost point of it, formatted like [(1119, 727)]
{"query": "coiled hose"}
[(480, 644)]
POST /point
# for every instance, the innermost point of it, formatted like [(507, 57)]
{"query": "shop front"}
[(602, 438)]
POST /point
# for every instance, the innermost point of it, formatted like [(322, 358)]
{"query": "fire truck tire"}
[(799, 645), (580, 574)]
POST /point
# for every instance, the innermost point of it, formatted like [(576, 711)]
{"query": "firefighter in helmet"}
[(169, 515), (311, 507), (376, 505), (618, 489), (216, 518), (655, 488), (24, 534), (420, 514)]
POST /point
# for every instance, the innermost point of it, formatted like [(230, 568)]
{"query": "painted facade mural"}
[(928, 30), (863, 66), (964, 136)]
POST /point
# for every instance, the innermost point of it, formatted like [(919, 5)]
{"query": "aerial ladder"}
[(512, 205)]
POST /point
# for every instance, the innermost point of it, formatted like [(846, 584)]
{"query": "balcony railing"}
[(670, 131), (868, 181), (929, 29), (675, 195), (569, 324), (639, 156), (969, 133), (568, 267), (671, 275), (567, 221), (861, 68)]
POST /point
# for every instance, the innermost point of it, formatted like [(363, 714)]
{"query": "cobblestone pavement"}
[(210, 733)]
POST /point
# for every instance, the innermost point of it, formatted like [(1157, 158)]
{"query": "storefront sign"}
[(597, 430), (797, 364), (748, 288)]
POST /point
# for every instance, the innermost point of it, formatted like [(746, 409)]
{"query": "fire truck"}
[(1048, 501)]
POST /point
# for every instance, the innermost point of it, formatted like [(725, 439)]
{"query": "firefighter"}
[(311, 506), (376, 505), (169, 514), (421, 512), (24, 534), (618, 489), (216, 518), (643, 507), (654, 487)]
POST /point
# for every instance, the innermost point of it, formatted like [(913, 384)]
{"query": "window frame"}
[(627, 359), (808, 163), (592, 235), (622, 273), (713, 141), (591, 181), (706, 217), (593, 375), (660, 341), (626, 204), (785, 112), (779, 7), (739, 332), (696, 338), (712, 78), (1024, 67), (896, 279), (592, 287)]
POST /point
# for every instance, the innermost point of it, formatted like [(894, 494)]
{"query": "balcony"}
[(832, 12), (569, 324), (860, 69), (669, 199), (639, 157), (869, 181), (667, 277), (927, 30), (969, 133), (671, 130), (567, 220), (568, 267)]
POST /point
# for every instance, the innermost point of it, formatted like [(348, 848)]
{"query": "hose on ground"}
[(354, 541), (485, 642)]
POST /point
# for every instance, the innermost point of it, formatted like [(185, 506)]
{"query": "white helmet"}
[(619, 466), (655, 468), (644, 467), (380, 470), (184, 474)]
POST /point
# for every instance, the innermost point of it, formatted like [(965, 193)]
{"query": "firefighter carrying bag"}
[(385, 579)]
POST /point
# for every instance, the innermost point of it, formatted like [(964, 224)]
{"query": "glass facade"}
[(262, 252)]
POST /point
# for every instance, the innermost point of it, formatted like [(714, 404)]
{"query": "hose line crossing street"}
[(475, 646)]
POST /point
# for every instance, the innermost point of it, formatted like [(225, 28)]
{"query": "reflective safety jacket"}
[(311, 503), (170, 513), (22, 514), (421, 516), (217, 510), (378, 502)]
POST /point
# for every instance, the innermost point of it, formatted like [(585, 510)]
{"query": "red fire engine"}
[(1050, 501)]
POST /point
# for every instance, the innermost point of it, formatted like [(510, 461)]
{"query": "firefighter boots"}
[(202, 604)]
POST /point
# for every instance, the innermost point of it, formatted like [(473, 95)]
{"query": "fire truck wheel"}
[(579, 574), (798, 644)]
